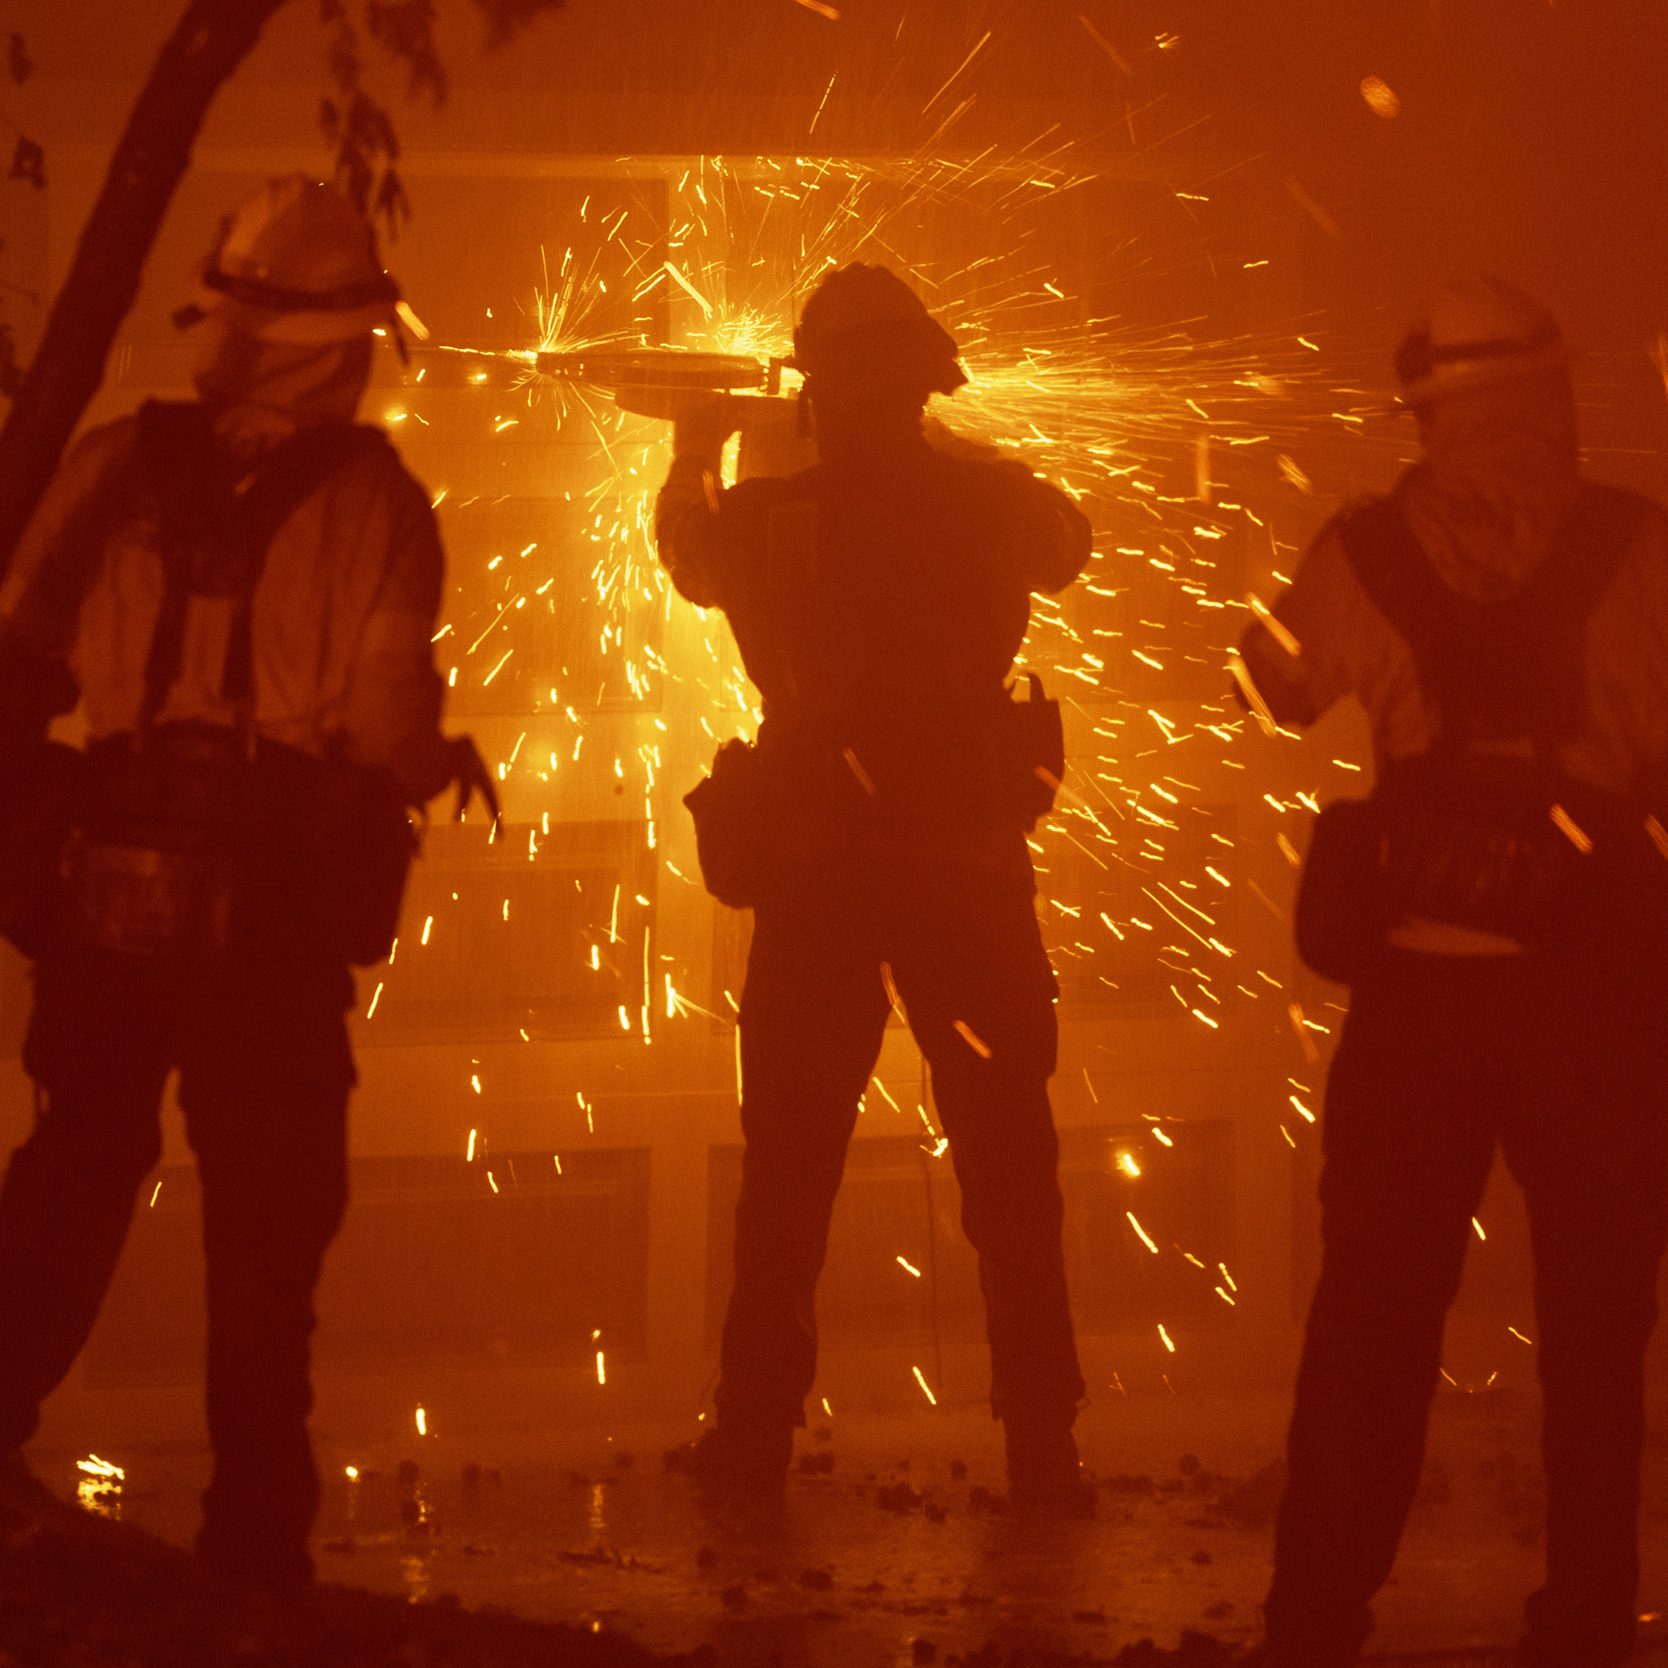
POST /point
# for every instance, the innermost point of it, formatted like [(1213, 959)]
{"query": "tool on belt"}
[(191, 841), (1486, 830), (764, 809)]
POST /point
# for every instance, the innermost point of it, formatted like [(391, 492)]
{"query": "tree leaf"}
[(507, 18), (28, 163), (391, 205), (405, 30)]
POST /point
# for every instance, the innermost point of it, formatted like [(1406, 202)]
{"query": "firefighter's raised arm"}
[(1049, 533), (689, 520)]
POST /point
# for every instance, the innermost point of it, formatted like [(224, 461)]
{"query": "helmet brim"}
[(912, 351), (1466, 376), (301, 327)]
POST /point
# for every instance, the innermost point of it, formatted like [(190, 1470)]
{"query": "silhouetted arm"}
[(1301, 665), (1049, 536), (693, 526), (689, 533)]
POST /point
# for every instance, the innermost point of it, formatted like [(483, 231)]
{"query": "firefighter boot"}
[(746, 1470), (1045, 1478)]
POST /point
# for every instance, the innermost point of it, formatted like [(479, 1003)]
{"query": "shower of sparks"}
[(98, 1487), (1194, 455)]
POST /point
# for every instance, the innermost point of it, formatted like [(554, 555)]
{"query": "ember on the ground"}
[(896, 1547)]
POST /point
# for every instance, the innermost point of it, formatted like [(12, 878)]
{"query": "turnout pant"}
[(967, 962), (1442, 1060), (264, 1076)]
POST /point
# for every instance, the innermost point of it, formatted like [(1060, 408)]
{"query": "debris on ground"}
[(81, 1591)]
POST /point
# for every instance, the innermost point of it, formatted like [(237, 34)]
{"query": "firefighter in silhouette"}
[(1498, 907), (877, 829), (238, 594)]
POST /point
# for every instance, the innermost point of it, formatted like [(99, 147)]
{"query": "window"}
[(552, 946)]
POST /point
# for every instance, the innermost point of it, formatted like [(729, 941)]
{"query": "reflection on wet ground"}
[(895, 1548)]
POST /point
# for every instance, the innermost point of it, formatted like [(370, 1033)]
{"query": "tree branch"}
[(212, 39)]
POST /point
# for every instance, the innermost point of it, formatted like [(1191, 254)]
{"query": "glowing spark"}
[(1381, 100), (824, 99), (854, 764), (908, 1267), (1250, 694), (956, 73), (1106, 46), (685, 285), (411, 321), (1274, 627), (1288, 468), (1313, 209), (926, 1389), (1146, 1238), (1571, 830)]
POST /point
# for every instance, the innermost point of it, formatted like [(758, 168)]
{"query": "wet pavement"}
[(894, 1547)]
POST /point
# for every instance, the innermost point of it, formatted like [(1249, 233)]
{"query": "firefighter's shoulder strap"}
[(1512, 666), (214, 534)]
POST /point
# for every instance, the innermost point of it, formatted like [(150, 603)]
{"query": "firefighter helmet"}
[(864, 323), (297, 263), (1472, 335)]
